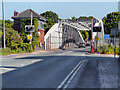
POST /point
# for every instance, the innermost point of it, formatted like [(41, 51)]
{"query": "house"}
[(27, 14)]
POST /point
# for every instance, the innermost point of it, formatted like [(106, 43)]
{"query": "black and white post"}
[(3, 25), (31, 32)]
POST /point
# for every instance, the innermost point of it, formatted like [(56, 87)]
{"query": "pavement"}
[(70, 68)]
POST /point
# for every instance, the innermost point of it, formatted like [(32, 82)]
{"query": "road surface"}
[(72, 68)]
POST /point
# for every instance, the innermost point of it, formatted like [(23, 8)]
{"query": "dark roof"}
[(27, 14)]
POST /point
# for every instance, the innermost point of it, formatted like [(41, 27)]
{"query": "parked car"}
[(82, 45)]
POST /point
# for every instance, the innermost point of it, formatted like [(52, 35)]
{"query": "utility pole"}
[(3, 25)]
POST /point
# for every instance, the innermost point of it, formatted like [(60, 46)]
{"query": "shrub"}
[(35, 44), (17, 41), (12, 38), (108, 49), (117, 50)]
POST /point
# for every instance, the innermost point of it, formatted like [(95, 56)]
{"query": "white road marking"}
[(73, 76), (72, 72), (4, 70)]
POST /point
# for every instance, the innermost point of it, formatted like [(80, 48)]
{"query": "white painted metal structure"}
[(64, 32), (53, 38)]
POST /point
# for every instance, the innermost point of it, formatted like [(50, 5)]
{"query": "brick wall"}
[(41, 37), (17, 24)]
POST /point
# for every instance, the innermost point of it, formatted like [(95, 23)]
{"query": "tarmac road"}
[(71, 68), (42, 71)]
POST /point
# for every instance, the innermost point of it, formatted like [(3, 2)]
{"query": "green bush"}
[(16, 41), (108, 49), (21, 48), (117, 50), (35, 44), (12, 38), (25, 47)]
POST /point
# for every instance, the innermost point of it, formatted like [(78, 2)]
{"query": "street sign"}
[(96, 29), (29, 37), (106, 36), (29, 28), (96, 38), (119, 26), (114, 32)]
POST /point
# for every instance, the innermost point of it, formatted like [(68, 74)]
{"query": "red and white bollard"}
[(92, 50)]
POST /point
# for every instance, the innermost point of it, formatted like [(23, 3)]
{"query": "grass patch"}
[(5, 51)]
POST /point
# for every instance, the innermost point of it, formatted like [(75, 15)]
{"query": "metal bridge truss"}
[(64, 34)]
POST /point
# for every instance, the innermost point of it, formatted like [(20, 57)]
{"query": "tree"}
[(14, 40), (84, 17), (85, 34), (110, 21), (12, 37), (73, 18), (8, 23), (51, 17)]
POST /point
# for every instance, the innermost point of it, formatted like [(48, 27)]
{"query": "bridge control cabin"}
[(25, 15)]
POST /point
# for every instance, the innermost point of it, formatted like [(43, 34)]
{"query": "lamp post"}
[(3, 25)]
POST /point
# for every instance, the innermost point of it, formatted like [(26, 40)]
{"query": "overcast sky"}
[(63, 9)]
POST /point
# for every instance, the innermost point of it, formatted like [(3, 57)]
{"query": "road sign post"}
[(96, 39), (114, 33), (29, 37), (31, 25), (30, 28)]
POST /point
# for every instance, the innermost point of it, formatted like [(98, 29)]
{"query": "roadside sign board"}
[(29, 28), (97, 29), (119, 26), (29, 37), (114, 32), (96, 38), (106, 36)]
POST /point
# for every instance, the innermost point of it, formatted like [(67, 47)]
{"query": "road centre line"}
[(69, 81), (72, 72)]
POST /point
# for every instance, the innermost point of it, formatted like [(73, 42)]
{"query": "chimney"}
[(16, 13)]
